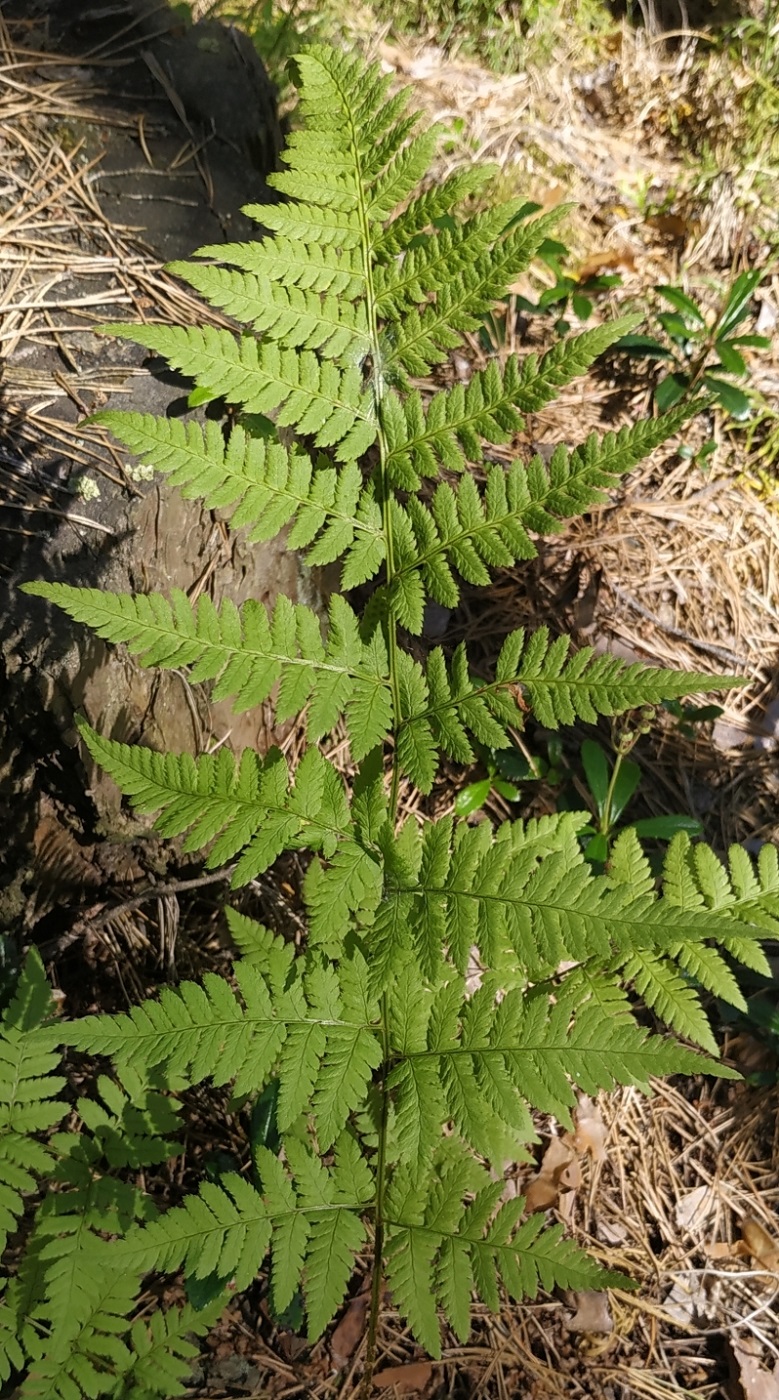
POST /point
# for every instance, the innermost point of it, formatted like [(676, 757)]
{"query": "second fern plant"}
[(400, 1092)]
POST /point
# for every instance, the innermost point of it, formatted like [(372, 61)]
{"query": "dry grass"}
[(64, 269)]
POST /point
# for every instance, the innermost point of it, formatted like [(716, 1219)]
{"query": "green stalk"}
[(392, 655)]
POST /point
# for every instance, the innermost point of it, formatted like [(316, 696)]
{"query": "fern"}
[(300, 1019), (29, 1105), (248, 654), (399, 1093), (441, 1248)]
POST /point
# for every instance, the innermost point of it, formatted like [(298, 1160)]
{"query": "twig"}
[(55, 946), (721, 653)]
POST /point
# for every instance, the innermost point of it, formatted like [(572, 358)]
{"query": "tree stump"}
[(153, 135)]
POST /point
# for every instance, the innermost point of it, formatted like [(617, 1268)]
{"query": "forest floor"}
[(672, 186)]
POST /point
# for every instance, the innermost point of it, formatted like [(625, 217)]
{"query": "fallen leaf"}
[(606, 261), (559, 1171), (592, 1313), (722, 1249), (611, 1232), (407, 1379), (347, 1334), (756, 1382), (591, 1131), (689, 1301), (760, 1245), (694, 1208)]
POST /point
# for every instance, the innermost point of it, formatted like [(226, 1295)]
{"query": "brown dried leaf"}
[(347, 1334), (760, 1245), (557, 1172), (408, 1380), (722, 1249), (591, 1131), (607, 261), (592, 1313), (756, 1382)]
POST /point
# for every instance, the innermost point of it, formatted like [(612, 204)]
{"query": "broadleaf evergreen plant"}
[(400, 1088)]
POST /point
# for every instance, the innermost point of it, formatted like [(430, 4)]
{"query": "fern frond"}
[(247, 806), (290, 315), (12, 1353), (247, 653), (423, 267), (481, 1064), (309, 1217), (471, 531), (223, 1231), (86, 1355), (299, 1020), (443, 705), (450, 431), (327, 267), (29, 1105), (315, 1214), (422, 211), (267, 487), (314, 397), (536, 896), (418, 341), (669, 982), (441, 1249), (747, 890), (162, 1352)]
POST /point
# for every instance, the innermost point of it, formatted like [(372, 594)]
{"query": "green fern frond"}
[(86, 1354), (247, 653), (747, 890), (12, 1354), (290, 315), (472, 532), (386, 1080), (315, 1214), (325, 267), (441, 706), (314, 397), (400, 287), (421, 212), (451, 430), (29, 1105), (162, 1352), (480, 1064), (441, 1249), (247, 806), (223, 1231), (299, 1020), (537, 897), (310, 1219), (419, 340), (672, 997), (267, 487)]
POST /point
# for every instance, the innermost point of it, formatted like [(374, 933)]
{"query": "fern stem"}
[(386, 494), (378, 1238)]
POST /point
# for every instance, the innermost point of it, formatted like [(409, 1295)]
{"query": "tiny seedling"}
[(609, 789), (506, 768)]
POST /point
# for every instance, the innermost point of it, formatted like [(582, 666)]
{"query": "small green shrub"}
[(384, 1095), (699, 351)]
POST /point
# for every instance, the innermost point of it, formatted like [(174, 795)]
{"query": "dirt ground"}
[(679, 1191)]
